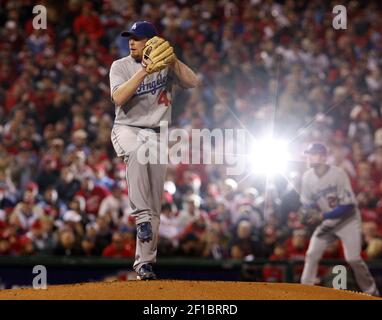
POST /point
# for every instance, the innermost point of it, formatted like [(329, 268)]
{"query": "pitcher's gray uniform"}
[(326, 193), (150, 105)]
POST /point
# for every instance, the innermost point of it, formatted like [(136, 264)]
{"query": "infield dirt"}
[(181, 290)]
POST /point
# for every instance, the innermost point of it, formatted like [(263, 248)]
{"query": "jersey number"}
[(332, 202), (163, 99)]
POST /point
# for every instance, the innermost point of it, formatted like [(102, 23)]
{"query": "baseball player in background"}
[(141, 88), (328, 196)]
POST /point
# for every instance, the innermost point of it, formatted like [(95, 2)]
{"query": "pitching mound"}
[(178, 290)]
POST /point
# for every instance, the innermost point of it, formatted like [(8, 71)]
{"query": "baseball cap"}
[(32, 186), (141, 29), (316, 148)]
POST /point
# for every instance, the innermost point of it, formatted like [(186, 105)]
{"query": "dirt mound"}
[(178, 290)]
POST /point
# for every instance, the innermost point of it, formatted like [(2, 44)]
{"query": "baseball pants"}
[(145, 186), (350, 236)]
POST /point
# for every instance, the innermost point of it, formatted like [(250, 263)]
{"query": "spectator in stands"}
[(56, 116), (297, 245), (93, 195), (275, 273), (5, 247), (369, 231), (26, 212), (48, 174), (190, 212), (24, 164), (168, 231), (68, 185), (89, 248), (216, 246), (37, 41), (42, 241), (115, 205), (78, 166), (88, 23), (72, 220), (374, 249), (101, 178), (26, 246), (119, 248), (52, 205), (192, 239), (67, 245), (269, 240), (243, 243), (334, 251), (103, 233), (7, 192)]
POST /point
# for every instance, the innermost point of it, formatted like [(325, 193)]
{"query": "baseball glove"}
[(310, 216), (157, 54)]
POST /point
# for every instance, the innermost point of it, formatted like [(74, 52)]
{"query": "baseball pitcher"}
[(328, 196), (141, 88)]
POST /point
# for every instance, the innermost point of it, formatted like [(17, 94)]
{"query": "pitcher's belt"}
[(155, 129)]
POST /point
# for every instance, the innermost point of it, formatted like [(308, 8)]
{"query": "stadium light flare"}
[(269, 157)]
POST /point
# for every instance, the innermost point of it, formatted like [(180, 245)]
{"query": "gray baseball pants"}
[(350, 236), (145, 186)]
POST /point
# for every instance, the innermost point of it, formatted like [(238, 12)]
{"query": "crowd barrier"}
[(20, 272)]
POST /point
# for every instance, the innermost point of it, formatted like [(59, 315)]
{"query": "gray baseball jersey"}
[(326, 193), (329, 191), (151, 103)]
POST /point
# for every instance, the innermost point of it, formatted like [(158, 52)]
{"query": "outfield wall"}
[(18, 271)]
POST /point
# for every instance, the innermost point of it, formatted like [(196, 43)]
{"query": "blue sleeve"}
[(338, 211)]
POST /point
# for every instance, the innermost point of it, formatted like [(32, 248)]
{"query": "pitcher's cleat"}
[(146, 273)]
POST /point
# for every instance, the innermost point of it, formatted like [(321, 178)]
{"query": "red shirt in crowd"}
[(93, 198), (127, 251), (294, 252), (90, 24)]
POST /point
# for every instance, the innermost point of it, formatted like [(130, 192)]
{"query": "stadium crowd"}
[(63, 190)]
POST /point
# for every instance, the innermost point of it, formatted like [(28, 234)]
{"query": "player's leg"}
[(138, 180), (317, 245), (350, 235), (126, 142), (147, 251), (158, 176), (142, 208)]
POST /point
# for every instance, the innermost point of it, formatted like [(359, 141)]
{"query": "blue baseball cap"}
[(317, 148), (141, 29)]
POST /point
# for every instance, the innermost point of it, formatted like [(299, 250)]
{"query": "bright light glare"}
[(269, 156)]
